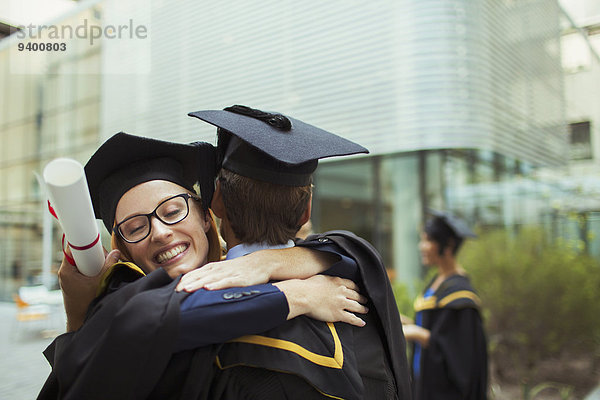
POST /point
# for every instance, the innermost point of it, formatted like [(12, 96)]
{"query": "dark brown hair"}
[(261, 211), (438, 230)]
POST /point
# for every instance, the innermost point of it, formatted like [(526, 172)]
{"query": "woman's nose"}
[(159, 230)]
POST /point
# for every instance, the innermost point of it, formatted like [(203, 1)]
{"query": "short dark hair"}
[(261, 211), (438, 230)]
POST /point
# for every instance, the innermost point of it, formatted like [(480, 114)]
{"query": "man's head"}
[(260, 211), (263, 191)]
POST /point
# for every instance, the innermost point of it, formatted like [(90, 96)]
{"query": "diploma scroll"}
[(69, 195)]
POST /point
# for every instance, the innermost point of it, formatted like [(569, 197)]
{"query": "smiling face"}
[(430, 250), (177, 248)]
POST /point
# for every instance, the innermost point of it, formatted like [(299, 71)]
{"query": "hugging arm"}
[(216, 316), (270, 265), (303, 291), (219, 315)]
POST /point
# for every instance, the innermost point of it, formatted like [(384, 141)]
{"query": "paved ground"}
[(23, 368)]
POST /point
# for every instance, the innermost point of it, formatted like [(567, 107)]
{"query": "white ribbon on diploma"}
[(69, 195)]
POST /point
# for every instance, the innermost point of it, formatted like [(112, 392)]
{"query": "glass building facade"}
[(459, 102), (385, 198)]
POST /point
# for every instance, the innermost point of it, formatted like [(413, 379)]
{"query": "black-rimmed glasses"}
[(170, 211)]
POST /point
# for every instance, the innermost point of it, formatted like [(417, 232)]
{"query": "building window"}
[(581, 148)]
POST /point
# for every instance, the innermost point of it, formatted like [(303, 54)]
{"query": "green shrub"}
[(404, 299), (540, 300)]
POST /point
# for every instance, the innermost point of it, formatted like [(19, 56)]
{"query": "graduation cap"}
[(124, 161), (272, 147), (456, 225)]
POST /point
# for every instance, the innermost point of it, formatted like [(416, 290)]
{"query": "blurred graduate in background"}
[(449, 344)]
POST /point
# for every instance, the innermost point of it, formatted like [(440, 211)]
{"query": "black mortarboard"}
[(457, 225), (271, 147), (124, 161)]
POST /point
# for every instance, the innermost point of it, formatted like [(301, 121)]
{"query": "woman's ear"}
[(117, 243), (206, 222), (449, 249)]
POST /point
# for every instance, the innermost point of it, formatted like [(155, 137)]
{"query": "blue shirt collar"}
[(244, 248)]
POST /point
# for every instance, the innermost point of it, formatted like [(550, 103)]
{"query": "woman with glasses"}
[(126, 344)]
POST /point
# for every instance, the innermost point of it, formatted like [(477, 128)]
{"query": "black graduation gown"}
[(454, 364), (139, 365), (382, 307), (307, 359)]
